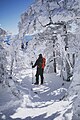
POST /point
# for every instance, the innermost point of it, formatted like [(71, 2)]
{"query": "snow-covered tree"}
[(3, 63), (3, 60), (45, 11)]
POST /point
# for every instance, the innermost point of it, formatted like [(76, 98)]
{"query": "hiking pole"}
[(32, 73)]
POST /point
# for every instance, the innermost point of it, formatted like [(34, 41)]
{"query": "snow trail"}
[(43, 100)]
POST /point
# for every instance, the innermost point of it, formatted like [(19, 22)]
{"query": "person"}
[(40, 63)]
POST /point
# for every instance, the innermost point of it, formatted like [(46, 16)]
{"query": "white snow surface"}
[(20, 99), (37, 102)]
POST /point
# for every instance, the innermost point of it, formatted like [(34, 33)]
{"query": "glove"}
[(32, 66)]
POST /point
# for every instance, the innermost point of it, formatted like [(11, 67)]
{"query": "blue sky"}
[(10, 11)]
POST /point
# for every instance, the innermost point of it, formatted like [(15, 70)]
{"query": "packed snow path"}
[(43, 101), (38, 102)]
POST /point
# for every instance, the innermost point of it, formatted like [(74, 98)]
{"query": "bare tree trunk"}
[(68, 68), (54, 55), (66, 43), (42, 1), (11, 68), (34, 25), (54, 64), (73, 58), (66, 37)]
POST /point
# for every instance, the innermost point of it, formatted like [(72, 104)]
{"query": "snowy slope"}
[(37, 102), (2, 32), (20, 99)]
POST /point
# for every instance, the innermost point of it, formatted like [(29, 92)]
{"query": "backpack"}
[(43, 62)]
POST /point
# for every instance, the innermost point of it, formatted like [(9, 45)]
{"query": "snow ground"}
[(36, 102)]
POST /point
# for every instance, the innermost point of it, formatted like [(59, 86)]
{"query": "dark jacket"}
[(38, 63)]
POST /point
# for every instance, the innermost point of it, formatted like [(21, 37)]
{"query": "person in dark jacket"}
[(40, 68)]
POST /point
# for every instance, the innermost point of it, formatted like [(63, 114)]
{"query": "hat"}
[(40, 55)]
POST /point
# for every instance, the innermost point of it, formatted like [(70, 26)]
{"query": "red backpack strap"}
[(43, 63)]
